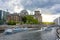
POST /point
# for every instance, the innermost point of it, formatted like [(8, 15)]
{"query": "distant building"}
[(23, 13), (57, 21), (5, 15), (15, 17), (18, 17), (38, 16), (0, 14)]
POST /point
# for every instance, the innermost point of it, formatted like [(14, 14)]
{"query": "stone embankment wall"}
[(3, 27)]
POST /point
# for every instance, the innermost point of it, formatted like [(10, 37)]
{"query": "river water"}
[(32, 35)]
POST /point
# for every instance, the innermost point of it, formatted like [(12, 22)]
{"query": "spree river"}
[(32, 35)]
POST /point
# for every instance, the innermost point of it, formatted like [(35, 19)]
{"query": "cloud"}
[(47, 6), (18, 9), (39, 3), (10, 5), (55, 8)]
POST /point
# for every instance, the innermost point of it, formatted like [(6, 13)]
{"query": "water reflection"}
[(32, 36)]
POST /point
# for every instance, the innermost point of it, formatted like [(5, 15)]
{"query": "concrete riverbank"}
[(3, 27)]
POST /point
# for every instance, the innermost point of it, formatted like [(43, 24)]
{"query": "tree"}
[(24, 19), (35, 21), (28, 19)]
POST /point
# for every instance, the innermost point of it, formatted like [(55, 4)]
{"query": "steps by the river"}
[(2, 29)]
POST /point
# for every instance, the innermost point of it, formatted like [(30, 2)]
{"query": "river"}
[(32, 35)]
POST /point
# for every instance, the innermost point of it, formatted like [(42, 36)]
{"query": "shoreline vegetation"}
[(28, 21), (44, 24)]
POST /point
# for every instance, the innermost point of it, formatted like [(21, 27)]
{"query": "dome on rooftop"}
[(24, 12)]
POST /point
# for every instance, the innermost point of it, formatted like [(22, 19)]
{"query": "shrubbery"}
[(11, 22), (47, 23), (1, 22)]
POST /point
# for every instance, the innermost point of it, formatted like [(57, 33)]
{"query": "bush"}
[(1, 22), (48, 23), (11, 22)]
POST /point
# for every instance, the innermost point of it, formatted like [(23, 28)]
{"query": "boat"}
[(8, 31), (15, 30)]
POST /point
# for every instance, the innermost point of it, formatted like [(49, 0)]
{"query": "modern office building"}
[(5, 13), (0, 14), (57, 21)]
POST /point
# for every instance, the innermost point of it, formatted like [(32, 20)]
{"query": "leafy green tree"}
[(35, 21), (24, 19), (28, 19)]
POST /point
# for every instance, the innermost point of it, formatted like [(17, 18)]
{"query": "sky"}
[(46, 6), (49, 18)]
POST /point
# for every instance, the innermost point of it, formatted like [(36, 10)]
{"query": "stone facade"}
[(15, 17), (18, 17), (38, 16)]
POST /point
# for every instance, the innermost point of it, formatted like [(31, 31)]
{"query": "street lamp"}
[(58, 20)]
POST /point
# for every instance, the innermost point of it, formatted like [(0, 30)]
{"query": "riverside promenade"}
[(3, 27)]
